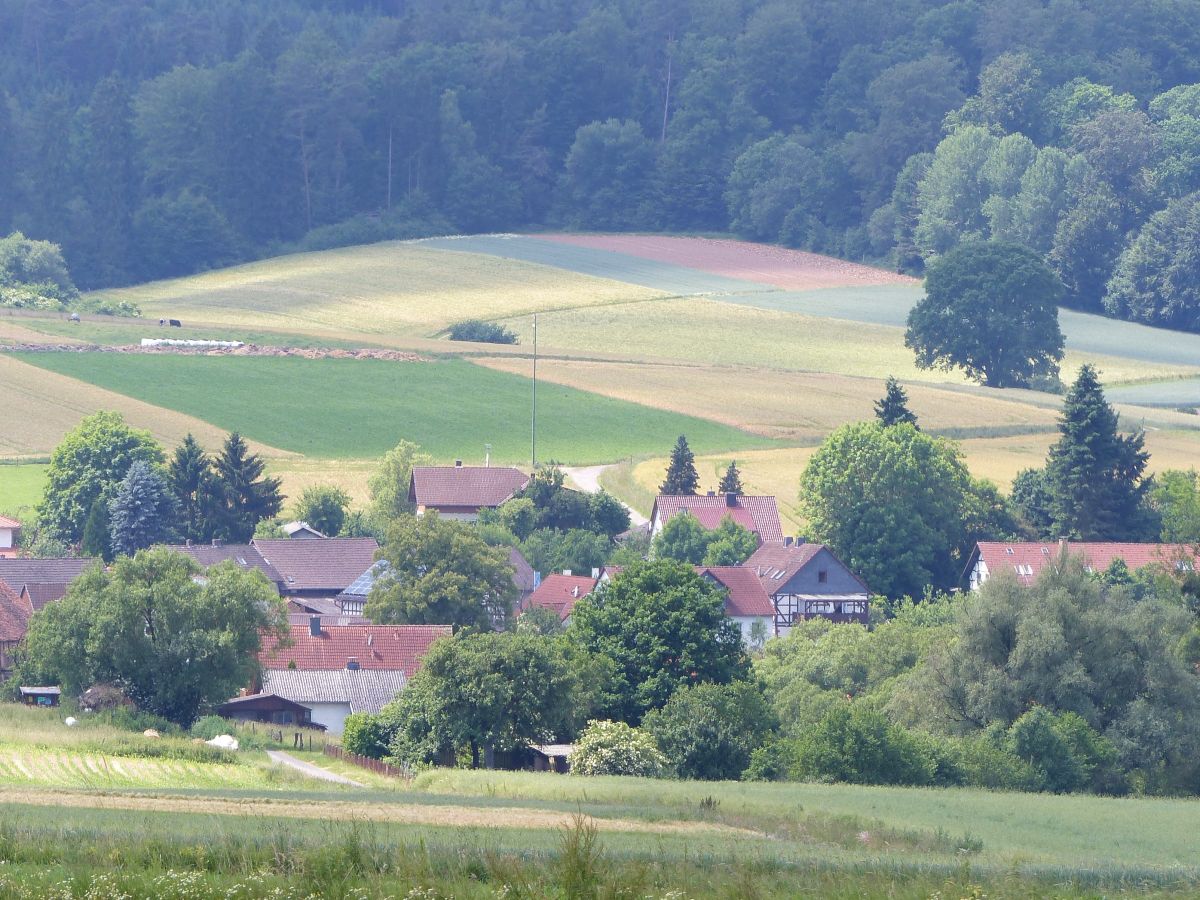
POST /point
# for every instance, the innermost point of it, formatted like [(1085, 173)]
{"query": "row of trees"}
[(156, 141), (110, 490)]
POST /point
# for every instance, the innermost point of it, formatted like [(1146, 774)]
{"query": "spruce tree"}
[(893, 408), (731, 481), (1095, 474), (190, 477), (681, 473), (142, 512), (244, 495)]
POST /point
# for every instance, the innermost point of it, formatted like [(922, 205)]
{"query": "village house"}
[(14, 622), (559, 593), (1027, 559), (10, 530), (267, 708), (460, 492), (336, 670), (757, 514), (301, 531), (807, 581)]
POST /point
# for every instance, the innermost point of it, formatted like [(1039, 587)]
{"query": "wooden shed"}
[(268, 708)]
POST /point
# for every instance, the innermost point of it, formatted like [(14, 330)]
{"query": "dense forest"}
[(163, 137)]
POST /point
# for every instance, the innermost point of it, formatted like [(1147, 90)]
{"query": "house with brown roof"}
[(10, 530), (335, 670), (245, 556), (757, 514), (460, 492), (1026, 560), (15, 613), (807, 581), (560, 592), (61, 570)]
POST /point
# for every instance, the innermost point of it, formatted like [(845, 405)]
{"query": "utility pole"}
[(534, 441)]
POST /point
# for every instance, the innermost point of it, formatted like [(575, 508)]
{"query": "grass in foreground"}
[(336, 408)]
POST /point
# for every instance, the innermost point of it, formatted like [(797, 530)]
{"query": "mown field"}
[(21, 485), (341, 408)]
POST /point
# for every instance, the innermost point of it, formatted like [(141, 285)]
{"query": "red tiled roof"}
[(14, 615), (560, 593), (1027, 560), (759, 514), (332, 564), (6, 522), (464, 486), (746, 596), (392, 647)]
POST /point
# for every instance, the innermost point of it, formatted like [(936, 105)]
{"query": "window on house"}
[(819, 607), (822, 576)]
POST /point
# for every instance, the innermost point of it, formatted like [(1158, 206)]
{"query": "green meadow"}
[(342, 408), (21, 485)]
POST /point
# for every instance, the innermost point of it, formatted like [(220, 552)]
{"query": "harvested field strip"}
[(764, 263), (48, 405), (56, 768), (798, 407), (422, 814), (341, 408)]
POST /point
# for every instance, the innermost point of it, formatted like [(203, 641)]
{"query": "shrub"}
[(710, 731), (208, 727), (482, 332), (366, 735), (858, 745), (614, 748)]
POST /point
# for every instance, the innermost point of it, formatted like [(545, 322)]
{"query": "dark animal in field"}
[(175, 323)]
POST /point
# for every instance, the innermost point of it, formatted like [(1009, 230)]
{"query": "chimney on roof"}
[(314, 626), (801, 540), (712, 493), (188, 542), (787, 542), (216, 542), (352, 664), (731, 499), (575, 591), (567, 572), (458, 464), (595, 572)]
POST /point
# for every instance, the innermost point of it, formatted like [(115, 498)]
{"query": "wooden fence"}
[(375, 765)]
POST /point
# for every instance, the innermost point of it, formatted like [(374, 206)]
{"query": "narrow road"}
[(309, 769), (587, 479)]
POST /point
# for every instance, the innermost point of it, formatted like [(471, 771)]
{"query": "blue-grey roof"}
[(363, 583), (366, 690)]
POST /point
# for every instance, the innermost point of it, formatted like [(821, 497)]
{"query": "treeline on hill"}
[(156, 139)]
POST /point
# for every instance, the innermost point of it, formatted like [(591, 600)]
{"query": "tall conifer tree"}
[(681, 473), (190, 476), (142, 512), (731, 481), (1094, 473), (893, 408), (246, 495)]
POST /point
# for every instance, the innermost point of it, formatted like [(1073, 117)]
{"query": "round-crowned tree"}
[(990, 308), (614, 748)]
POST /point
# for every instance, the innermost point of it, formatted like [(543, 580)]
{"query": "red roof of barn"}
[(14, 614), (6, 522), (324, 564), (758, 514), (469, 486), (560, 592), (746, 596), (392, 647), (1026, 560)]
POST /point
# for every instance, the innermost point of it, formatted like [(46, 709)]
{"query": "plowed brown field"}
[(791, 270)]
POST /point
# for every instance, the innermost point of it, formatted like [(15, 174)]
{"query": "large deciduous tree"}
[(440, 572), (1157, 278), (665, 627), (174, 644), (992, 309), (890, 501), (1094, 474), (681, 471), (323, 506), (389, 485), (87, 465)]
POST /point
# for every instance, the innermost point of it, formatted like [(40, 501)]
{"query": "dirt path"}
[(356, 810), (587, 479), (310, 770)]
